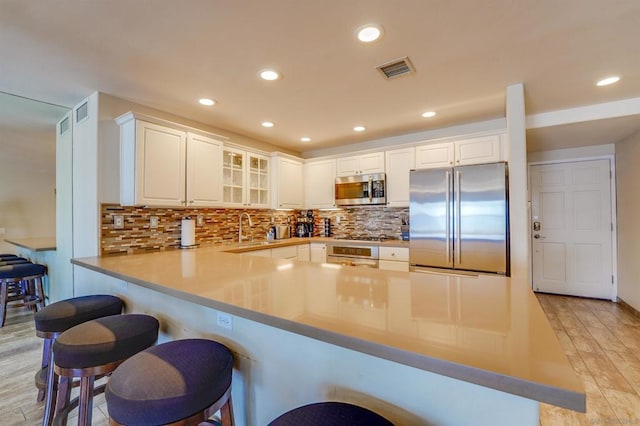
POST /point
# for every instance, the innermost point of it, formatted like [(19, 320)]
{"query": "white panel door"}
[(161, 164), (204, 171), (572, 228), (398, 164)]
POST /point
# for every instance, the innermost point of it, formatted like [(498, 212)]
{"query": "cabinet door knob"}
[(191, 202)]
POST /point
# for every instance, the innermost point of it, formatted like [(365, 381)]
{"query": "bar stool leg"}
[(62, 401), (46, 354), (86, 400), (226, 413), (52, 389), (3, 303)]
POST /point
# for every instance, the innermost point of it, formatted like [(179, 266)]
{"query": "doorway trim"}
[(614, 215)]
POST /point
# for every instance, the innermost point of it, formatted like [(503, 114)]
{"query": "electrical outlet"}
[(337, 220), (199, 220), (118, 221), (153, 222), (224, 320)]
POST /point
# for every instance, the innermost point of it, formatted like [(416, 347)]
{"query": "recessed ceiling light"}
[(359, 128), (607, 81), (305, 139), (368, 33), (207, 101), (429, 114), (267, 124), (269, 74)]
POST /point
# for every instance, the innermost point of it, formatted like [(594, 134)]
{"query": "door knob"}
[(536, 236)]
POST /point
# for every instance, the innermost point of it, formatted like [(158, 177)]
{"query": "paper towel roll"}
[(188, 233)]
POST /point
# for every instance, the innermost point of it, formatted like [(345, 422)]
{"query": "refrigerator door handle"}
[(458, 219), (447, 203)]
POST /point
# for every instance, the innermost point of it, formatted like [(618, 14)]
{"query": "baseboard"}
[(628, 308)]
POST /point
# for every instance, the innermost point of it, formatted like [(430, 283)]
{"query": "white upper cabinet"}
[(360, 164), (485, 149), (245, 178), (319, 184), (398, 164), (165, 165), (204, 171), (434, 155), (287, 182)]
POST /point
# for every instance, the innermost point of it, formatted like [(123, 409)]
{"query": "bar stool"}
[(13, 261), (183, 382), (15, 282), (53, 320), (96, 348), (330, 414)]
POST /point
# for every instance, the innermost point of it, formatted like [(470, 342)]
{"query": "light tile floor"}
[(602, 342)]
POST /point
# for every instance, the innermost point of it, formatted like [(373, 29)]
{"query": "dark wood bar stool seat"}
[(57, 318), (330, 414), (21, 283), (183, 382), (96, 348)]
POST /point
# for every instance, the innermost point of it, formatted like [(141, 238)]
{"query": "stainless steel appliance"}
[(459, 218), (362, 255), (361, 190), (282, 231)]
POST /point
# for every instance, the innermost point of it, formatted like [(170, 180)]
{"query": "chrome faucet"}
[(240, 236)]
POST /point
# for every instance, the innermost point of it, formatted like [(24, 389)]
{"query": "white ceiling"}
[(166, 54)]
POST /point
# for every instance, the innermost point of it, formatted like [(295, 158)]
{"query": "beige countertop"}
[(34, 243), (486, 330)]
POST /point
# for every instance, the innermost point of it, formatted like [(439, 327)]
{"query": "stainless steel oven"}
[(361, 255)]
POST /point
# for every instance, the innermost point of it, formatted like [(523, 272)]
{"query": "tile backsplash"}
[(220, 225)]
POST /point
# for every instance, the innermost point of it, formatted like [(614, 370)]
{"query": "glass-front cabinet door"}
[(258, 180), (233, 176), (245, 178)]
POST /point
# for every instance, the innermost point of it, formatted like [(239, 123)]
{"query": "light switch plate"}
[(118, 221), (199, 220), (153, 222)]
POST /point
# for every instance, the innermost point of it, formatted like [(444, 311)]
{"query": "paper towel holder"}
[(187, 233)]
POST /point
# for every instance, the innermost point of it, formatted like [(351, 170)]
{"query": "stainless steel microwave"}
[(361, 190)]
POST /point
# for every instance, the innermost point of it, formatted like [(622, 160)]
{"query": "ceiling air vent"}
[(396, 68)]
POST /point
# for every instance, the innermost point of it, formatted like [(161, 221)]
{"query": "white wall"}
[(86, 227), (627, 178)]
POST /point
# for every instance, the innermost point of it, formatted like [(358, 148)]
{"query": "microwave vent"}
[(396, 68)]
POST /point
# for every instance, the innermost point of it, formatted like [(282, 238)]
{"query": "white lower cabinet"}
[(288, 252), (260, 253), (394, 259), (318, 252), (304, 252)]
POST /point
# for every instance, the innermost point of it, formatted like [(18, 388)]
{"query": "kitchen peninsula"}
[(417, 348)]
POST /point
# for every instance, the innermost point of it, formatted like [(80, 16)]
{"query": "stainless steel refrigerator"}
[(459, 218)]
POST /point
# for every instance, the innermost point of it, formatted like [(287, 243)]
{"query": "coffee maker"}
[(305, 224)]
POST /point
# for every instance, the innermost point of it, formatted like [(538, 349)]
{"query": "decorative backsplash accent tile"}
[(221, 225)]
